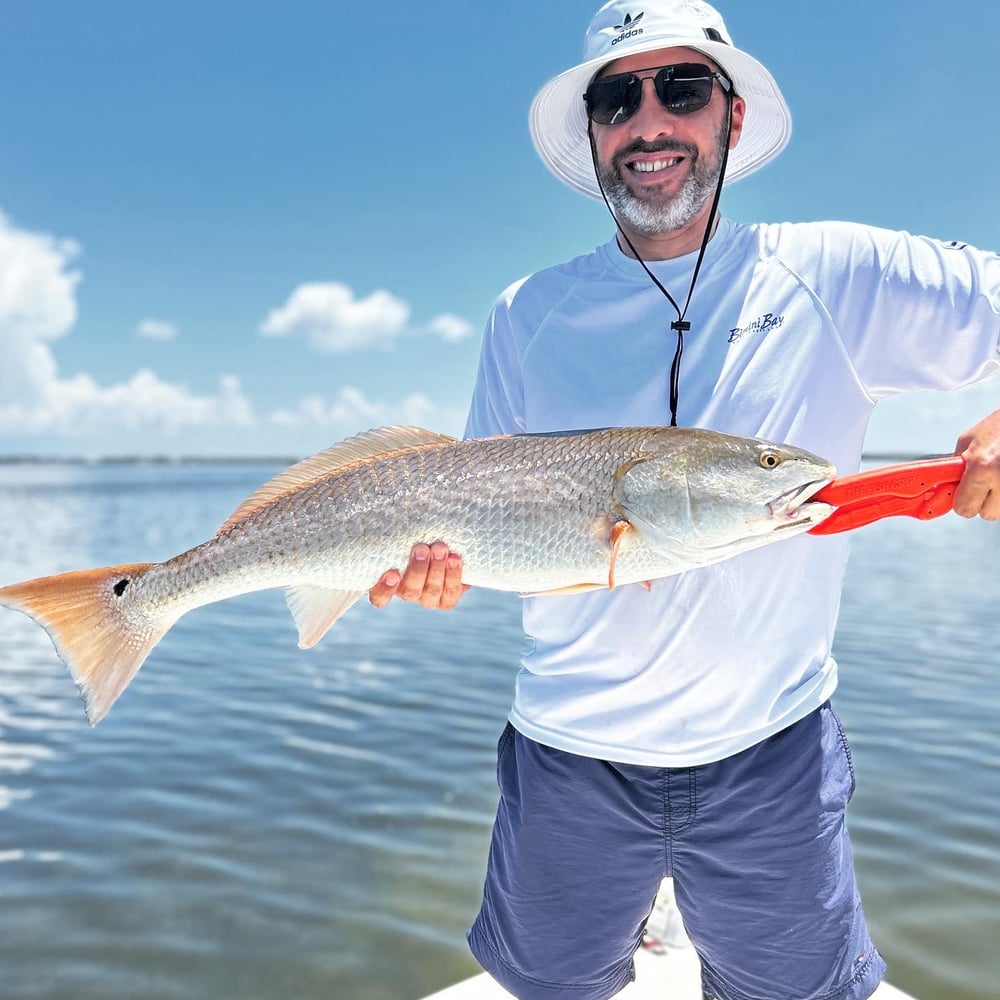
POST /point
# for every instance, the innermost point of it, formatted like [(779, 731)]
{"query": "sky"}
[(248, 228)]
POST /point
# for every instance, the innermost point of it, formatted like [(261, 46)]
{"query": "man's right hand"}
[(432, 578)]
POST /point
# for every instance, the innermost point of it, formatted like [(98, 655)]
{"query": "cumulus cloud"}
[(156, 329), (450, 328), (352, 408), (332, 320), (78, 407), (37, 286), (37, 306)]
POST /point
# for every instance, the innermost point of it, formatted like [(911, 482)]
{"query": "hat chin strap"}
[(680, 325)]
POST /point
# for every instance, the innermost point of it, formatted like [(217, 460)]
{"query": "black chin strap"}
[(679, 325)]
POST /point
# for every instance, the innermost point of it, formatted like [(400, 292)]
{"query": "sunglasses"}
[(682, 89)]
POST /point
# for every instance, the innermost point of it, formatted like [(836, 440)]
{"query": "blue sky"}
[(256, 228)]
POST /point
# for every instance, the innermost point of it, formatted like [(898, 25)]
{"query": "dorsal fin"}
[(356, 449)]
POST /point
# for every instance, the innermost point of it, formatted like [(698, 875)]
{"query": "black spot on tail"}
[(121, 586)]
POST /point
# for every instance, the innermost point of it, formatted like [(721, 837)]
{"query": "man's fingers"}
[(384, 591), (432, 578), (415, 575), (453, 586), (979, 491)]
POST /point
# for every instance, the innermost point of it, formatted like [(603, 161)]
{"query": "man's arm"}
[(432, 578), (979, 490)]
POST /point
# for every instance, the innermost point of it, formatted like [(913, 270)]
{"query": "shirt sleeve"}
[(914, 313), (498, 396)]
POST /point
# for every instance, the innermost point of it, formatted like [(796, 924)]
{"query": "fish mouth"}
[(792, 507)]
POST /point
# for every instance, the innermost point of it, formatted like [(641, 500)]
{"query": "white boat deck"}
[(667, 969)]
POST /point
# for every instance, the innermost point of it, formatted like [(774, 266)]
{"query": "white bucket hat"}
[(558, 118)]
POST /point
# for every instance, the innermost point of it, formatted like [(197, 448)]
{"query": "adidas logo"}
[(628, 28)]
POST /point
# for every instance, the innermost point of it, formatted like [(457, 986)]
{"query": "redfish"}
[(531, 513)]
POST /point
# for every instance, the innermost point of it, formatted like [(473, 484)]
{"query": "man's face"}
[(659, 169)]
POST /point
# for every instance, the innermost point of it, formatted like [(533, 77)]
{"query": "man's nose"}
[(651, 118)]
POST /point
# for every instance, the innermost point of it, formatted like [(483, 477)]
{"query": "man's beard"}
[(655, 217)]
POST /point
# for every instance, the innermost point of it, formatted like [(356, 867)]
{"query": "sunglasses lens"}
[(682, 90), (613, 99)]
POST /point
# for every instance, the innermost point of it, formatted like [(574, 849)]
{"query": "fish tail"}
[(83, 615)]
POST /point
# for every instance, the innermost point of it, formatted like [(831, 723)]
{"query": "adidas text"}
[(626, 34)]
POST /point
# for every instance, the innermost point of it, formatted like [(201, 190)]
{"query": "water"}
[(258, 821)]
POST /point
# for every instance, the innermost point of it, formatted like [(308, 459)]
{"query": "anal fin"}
[(315, 609), (573, 588)]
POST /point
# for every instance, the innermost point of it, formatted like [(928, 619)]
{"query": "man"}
[(686, 730)]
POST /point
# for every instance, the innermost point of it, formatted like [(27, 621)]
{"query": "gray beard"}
[(652, 218)]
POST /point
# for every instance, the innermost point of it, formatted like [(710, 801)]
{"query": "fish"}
[(536, 514)]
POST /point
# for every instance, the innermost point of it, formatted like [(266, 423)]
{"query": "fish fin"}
[(573, 588), (618, 531), (81, 613), (349, 452), (315, 609)]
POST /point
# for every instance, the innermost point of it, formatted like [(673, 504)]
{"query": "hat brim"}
[(558, 116)]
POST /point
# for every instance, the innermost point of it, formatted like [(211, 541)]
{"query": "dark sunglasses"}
[(682, 89)]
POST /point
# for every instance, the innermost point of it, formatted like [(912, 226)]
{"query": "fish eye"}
[(769, 459)]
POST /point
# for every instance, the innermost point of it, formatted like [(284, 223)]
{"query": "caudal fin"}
[(82, 612)]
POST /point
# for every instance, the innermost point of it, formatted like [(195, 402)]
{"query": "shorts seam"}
[(845, 746), (668, 844), (607, 981)]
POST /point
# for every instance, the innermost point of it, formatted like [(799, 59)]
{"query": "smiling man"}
[(687, 730)]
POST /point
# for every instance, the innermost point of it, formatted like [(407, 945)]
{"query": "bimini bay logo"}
[(762, 324), (628, 28)]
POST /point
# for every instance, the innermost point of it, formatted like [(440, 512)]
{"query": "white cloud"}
[(352, 409), (329, 317), (38, 305), (37, 289), (332, 320), (156, 329), (450, 328)]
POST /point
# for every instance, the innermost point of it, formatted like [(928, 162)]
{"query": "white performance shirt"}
[(797, 330)]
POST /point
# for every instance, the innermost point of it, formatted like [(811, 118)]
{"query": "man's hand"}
[(433, 578), (979, 490)]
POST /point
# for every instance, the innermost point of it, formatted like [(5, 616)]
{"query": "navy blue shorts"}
[(757, 846)]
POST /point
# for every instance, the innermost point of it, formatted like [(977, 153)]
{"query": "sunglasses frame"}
[(658, 85)]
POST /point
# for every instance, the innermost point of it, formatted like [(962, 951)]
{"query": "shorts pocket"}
[(502, 744), (845, 749)]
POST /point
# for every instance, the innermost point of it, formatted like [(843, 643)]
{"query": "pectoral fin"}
[(618, 531), (315, 609)]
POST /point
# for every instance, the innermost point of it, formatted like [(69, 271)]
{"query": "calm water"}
[(258, 821)]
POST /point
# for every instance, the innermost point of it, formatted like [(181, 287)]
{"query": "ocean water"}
[(257, 821)]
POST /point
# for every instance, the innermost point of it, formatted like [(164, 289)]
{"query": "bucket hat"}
[(558, 117)]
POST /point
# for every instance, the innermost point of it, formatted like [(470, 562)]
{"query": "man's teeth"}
[(649, 168)]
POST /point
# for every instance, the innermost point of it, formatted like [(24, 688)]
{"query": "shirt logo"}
[(628, 27), (762, 324)]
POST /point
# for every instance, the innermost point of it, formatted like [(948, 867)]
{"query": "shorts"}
[(757, 846)]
